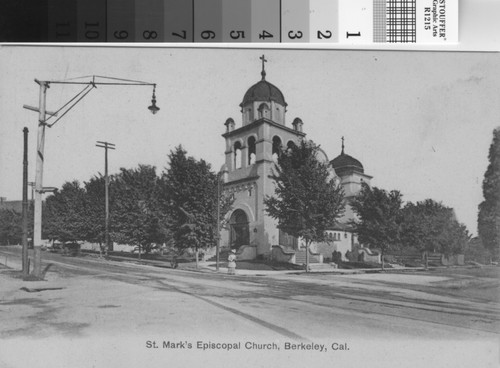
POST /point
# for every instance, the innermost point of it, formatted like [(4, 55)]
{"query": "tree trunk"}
[(426, 260), (382, 259), (307, 256), (197, 253), (140, 250)]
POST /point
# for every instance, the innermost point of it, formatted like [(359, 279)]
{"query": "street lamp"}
[(43, 122), (153, 108)]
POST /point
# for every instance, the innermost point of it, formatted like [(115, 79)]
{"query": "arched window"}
[(251, 150), (276, 147), (264, 111), (290, 145), (237, 155)]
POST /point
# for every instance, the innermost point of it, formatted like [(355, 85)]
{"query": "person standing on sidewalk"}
[(231, 265)]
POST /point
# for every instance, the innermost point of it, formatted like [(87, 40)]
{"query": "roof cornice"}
[(259, 122)]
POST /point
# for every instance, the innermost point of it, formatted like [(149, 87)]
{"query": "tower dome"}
[(345, 164), (263, 91), (263, 100)]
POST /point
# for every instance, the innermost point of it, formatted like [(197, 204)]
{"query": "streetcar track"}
[(259, 321), (379, 302), (132, 275)]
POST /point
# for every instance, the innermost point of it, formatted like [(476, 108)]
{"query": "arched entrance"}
[(240, 234)]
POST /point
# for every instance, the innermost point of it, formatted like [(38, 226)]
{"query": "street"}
[(137, 311)]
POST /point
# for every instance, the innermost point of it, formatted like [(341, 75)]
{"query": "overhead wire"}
[(130, 81), (88, 88), (89, 85)]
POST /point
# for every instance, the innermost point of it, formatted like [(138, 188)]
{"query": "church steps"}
[(222, 257), (300, 257)]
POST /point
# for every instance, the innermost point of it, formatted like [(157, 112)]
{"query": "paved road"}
[(92, 297), (304, 306)]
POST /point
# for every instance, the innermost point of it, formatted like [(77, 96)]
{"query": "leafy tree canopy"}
[(10, 227), (379, 218), (307, 199), (489, 209), (135, 212), (63, 213), (190, 198), (429, 226), (94, 210)]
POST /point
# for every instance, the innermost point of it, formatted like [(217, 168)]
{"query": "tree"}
[(429, 226), (380, 217), (456, 238), (134, 216), (307, 199), (10, 227), (475, 251), (94, 211), (190, 199), (489, 209), (64, 219)]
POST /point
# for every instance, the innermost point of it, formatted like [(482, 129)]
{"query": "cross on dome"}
[(263, 72)]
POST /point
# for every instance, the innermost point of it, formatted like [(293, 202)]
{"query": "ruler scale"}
[(62, 20), (236, 21), (149, 20), (178, 21), (232, 21), (323, 21), (91, 21), (120, 20), (265, 21), (208, 20), (295, 25)]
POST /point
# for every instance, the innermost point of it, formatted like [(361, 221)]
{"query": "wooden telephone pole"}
[(25, 204), (106, 146)]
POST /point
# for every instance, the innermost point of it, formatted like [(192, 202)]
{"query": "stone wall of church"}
[(339, 241)]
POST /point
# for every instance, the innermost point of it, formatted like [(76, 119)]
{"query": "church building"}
[(251, 152)]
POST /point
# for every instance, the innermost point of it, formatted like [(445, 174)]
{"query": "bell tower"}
[(251, 152)]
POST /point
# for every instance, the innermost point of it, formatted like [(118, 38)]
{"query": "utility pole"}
[(32, 185), (217, 236), (25, 204), (42, 124), (37, 230), (106, 146)]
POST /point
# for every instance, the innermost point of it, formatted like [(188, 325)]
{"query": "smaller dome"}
[(345, 164)]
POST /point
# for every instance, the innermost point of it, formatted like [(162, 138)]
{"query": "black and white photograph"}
[(204, 206)]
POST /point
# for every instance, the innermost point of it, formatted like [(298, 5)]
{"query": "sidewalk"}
[(14, 262), (209, 267)]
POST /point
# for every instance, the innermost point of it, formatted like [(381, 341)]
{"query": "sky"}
[(420, 122)]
